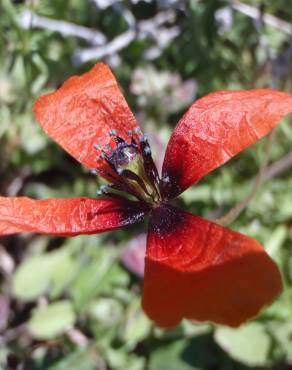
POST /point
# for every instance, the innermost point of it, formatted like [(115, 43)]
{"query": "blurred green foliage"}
[(73, 303)]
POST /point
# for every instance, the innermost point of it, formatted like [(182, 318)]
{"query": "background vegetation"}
[(75, 303)]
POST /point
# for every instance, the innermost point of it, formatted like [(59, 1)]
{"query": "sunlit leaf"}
[(197, 353), (51, 321), (137, 325), (106, 311), (250, 344), (85, 360), (35, 275)]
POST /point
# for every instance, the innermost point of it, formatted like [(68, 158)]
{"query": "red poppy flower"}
[(194, 268)]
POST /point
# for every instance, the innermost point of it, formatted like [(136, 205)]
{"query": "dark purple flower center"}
[(131, 168)]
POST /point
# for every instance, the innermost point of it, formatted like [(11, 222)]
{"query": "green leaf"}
[(282, 332), (250, 344), (32, 138), (200, 193), (85, 360), (34, 276), (63, 274), (120, 360), (280, 309), (106, 311), (42, 77), (51, 321), (137, 326), (197, 353), (92, 279), (276, 240)]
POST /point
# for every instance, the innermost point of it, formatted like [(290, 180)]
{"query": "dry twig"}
[(30, 20), (150, 28), (267, 19)]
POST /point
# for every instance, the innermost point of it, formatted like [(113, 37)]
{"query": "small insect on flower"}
[(194, 268)]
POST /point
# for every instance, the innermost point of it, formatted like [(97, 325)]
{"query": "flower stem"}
[(234, 212)]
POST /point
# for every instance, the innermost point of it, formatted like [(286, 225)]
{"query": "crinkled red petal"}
[(216, 128), (66, 217), (198, 270), (81, 113)]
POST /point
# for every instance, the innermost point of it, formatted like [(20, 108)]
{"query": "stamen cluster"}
[(130, 167)]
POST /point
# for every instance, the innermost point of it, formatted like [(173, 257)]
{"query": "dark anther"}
[(143, 139), (97, 146), (113, 132), (147, 150), (119, 140), (103, 155), (103, 189)]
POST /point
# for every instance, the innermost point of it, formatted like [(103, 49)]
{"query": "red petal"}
[(198, 270), (217, 127), (66, 217), (81, 113)]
